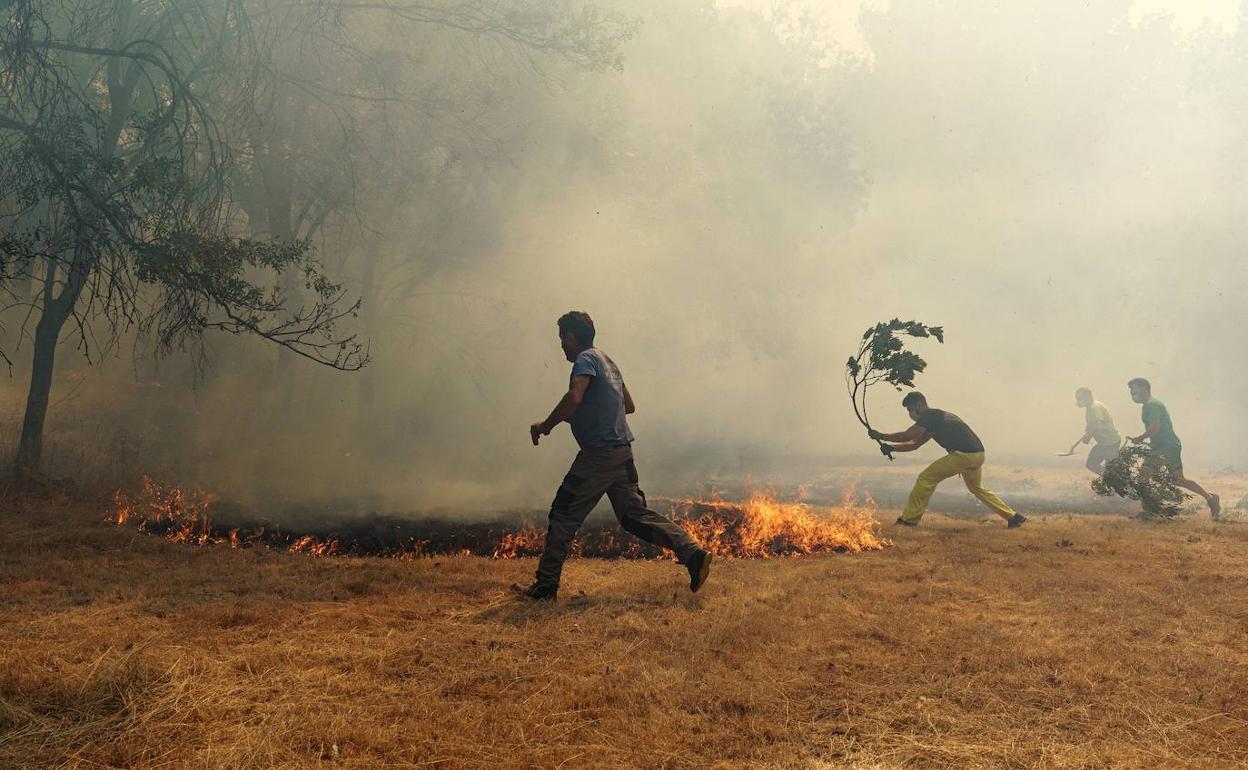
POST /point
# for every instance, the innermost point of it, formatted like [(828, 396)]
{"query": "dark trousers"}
[(595, 472), (1100, 454)]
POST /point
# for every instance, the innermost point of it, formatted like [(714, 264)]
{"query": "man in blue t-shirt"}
[(594, 406)]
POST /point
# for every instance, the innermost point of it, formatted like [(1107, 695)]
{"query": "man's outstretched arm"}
[(910, 434), (563, 410), (910, 446)]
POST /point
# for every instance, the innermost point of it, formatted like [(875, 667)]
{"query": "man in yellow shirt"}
[(1099, 425)]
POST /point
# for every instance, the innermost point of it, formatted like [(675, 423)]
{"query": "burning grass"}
[(762, 526), (1074, 642)]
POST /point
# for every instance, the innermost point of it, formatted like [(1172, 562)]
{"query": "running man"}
[(594, 406), (1164, 442), (965, 458), (1099, 425)]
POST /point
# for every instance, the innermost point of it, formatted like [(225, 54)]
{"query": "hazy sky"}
[(1059, 194), (842, 17), (1193, 13), (1032, 187)]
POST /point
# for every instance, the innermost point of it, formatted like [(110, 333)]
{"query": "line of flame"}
[(762, 526)]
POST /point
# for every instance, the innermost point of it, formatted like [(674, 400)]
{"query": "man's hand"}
[(536, 431), (874, 434), (564, 409)]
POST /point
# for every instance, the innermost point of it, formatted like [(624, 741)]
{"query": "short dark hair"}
[(1140, 382), (1083, 392), (579, 325), (913, 397)]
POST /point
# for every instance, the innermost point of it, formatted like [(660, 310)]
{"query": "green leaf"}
[(888, 358)]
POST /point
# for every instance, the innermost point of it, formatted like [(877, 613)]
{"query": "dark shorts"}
[(1171, 455), (1103, 452)]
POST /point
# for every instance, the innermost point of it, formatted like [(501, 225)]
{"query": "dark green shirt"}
[(1155, 410), (948, 430)]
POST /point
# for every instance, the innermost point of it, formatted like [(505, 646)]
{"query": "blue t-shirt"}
[(599, 419)]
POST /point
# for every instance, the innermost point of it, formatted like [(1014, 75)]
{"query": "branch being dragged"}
[(1140, 473)]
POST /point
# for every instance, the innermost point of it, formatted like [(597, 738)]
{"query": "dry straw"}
[(965, 646)]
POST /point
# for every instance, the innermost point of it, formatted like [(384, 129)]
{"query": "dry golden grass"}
[(964, 646)]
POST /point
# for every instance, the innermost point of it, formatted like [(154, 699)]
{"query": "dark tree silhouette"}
[(115, 204)]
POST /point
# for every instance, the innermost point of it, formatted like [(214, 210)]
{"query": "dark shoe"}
[(905, 523), (699, 566), (1215, 507), (535, 592), (1016, 521)]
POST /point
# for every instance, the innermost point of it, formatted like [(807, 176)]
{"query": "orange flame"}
[(764, 526), (760, 527), (182, 515)]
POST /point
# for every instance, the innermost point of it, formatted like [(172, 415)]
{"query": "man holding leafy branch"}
[(882, 358), (965, 458)]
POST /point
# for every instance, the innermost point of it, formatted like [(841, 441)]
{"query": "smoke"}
[(1059, 188), (1052, 188)]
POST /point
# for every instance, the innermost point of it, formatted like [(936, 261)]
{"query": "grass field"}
[(1074, 642)]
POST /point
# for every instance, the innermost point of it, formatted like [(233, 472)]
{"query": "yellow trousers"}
[(968, 465)]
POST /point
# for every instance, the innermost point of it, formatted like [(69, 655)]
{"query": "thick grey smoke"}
[(1059, 187), (1055, 188)]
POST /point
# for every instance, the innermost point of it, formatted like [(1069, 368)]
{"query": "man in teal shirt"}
[(1165, 443)]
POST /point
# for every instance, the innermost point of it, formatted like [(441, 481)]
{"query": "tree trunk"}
[(54, 313), (56, 309), (47, 332)]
